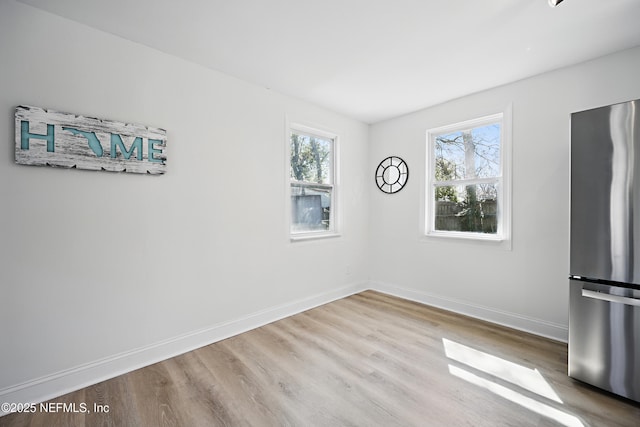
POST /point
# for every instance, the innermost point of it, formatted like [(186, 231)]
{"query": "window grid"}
[(465, 187), (312, 173)]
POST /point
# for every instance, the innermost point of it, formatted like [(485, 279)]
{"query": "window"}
[(312, 182), (467, 180)]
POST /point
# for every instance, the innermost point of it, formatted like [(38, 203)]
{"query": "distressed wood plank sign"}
[(51, 138)]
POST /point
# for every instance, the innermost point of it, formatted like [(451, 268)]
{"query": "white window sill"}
[(305, 237), (482, 239), (466, 235)]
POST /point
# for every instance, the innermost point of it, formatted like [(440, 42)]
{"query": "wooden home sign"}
[(51, 138)]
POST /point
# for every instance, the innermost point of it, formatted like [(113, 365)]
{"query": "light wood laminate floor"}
[(366, 360)]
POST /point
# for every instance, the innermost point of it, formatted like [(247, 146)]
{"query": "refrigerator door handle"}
[(611, 298)]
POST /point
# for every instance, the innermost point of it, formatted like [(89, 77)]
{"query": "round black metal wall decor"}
[(392, 175)]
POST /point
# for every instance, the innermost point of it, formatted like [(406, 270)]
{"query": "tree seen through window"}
[(466, 179)]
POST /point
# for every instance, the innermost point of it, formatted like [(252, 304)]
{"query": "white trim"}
[(335, 218), (468, 124), (301, 237), (465, 235), (63, 382), (318, 131), (531, 325), (427, 214), (507, 178)]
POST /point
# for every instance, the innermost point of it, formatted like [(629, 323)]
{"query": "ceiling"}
[(369, 59)]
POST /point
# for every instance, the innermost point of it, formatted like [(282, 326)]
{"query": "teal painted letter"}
[(25, 136), (153, 150), (116, 141)]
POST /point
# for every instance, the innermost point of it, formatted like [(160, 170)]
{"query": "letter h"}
[(25, 136)]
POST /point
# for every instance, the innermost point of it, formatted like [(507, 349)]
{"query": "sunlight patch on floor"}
[(529, 379), (513, 373)]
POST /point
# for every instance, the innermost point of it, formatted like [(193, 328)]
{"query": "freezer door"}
[(605, 193), (604, 337)]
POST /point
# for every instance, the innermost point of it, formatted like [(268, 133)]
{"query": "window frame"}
[(334, 222), (503, 179)]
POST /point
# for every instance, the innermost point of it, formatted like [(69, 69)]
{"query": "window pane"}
[(468, 154), (310, 208), (310, 158), (449, 154), (471, 208)]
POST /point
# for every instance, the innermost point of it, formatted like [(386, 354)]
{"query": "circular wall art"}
[(392, 174)]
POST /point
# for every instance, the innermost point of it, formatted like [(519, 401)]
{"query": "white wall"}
[(525, 287), (102, 272)]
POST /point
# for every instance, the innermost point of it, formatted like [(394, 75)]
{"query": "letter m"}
[(116, 141)]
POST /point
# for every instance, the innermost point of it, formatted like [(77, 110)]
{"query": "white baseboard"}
[(543, 328), (63, 382), (60, 383)]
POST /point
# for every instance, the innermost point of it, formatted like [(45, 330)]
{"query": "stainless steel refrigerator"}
[(604, 302)]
